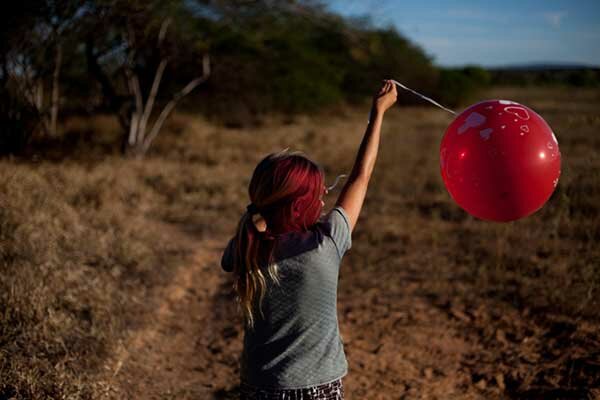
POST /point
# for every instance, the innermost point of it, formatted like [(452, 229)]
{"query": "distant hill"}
[(546, 73), (543, 66)]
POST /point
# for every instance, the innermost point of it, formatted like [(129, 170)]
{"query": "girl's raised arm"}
[(353, 194)]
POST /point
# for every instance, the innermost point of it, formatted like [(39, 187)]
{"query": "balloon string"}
[(335, 183), (337, 179), (424, 97)]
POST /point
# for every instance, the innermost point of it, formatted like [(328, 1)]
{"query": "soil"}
[(400, 344)]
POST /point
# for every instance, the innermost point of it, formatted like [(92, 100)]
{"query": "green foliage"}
[(288, 62), (285, 57), (384, 54), (459, 85), (277, 65), (549, 76), (584, 78)]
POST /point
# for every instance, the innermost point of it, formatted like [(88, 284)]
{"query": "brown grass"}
[(432, 301)]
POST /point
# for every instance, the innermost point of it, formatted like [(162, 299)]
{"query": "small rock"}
[(482, 384), (459, 314), (428, 372), (500, 381), (501, 337)]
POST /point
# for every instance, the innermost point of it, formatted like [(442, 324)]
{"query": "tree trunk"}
[(115, 102), (171, 104), (137, 138), (55, 90)]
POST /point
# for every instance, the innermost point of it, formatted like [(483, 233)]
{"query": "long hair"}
[(285, 189)]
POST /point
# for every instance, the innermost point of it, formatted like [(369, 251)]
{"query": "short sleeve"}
[(227, 258), (340, 229)]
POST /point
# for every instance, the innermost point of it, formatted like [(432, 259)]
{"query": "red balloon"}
[(500, 160)]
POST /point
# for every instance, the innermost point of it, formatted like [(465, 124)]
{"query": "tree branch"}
[(152, 96), (55, 90), (163, 31), (173, 102)]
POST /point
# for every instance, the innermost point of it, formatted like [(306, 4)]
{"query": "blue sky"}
[(490, 33)]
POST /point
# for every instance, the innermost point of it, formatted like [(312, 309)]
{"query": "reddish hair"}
[(286, 189)]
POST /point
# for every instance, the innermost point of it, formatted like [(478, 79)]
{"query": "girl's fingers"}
[(385, 88)]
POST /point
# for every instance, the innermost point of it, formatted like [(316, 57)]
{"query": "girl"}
[(286, 263)]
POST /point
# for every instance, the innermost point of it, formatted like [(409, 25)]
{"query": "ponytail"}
[(253, 249)]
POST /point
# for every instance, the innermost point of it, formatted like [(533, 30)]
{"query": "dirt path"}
[(187, 348), (401, 342)]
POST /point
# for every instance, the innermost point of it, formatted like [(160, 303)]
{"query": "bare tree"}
[(26, 63), (140, 136)]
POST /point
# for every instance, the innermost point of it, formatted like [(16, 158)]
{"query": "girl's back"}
[(296, 342)]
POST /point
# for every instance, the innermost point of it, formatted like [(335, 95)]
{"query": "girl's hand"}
[(386, 97)]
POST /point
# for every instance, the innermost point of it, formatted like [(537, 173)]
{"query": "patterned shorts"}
[(328, 391)]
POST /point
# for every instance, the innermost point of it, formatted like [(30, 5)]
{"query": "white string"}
[(424, 97), (339, 177), (337, 180)]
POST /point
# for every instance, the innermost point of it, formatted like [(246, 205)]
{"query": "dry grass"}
[(77, 255), (81, 252)]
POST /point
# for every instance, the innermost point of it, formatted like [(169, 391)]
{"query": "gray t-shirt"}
[(298, 343)]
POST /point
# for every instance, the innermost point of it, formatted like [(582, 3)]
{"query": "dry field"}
[(110, 285)]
